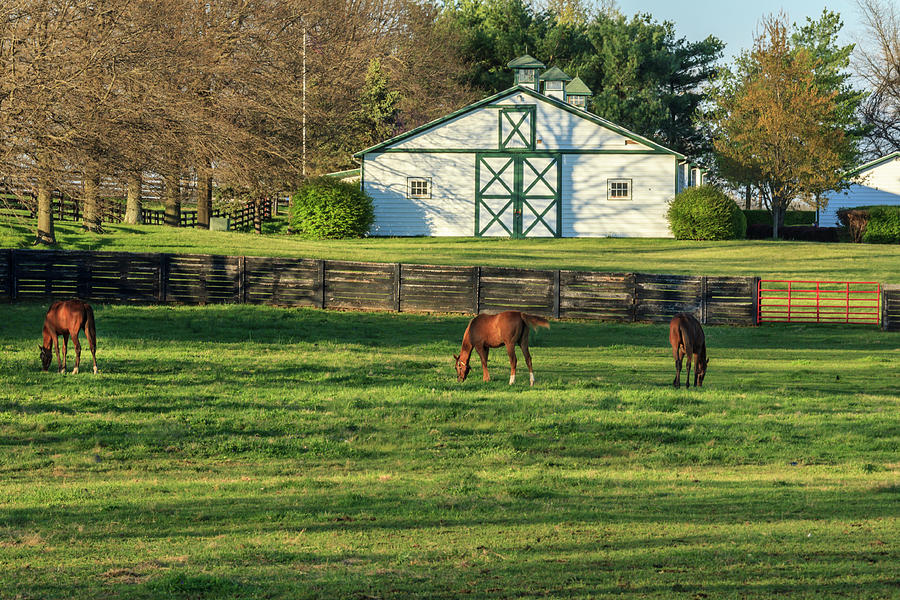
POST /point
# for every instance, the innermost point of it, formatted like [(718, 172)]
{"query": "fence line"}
[(29, 275)]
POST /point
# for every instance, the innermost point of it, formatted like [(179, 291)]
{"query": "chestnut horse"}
[(687, 339), (67, 318), (492, 331)]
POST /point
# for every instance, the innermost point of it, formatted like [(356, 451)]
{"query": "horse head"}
[(701, 369), (46, 357), (462, 367)]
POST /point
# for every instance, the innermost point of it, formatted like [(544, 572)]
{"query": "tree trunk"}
[(747, 196), (777, 217), (172, 200), (90, 209), (45, 232), (257, 213), (133, 200), (204, 198)]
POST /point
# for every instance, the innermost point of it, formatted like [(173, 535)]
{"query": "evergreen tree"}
[(376, 117)]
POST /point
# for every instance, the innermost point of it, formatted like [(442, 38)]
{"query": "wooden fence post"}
[(477, 290), (754, 281), (242, 280), (163, 277), (321, 269), (397, 286), (13, 276), (556, 294), (703, 299)]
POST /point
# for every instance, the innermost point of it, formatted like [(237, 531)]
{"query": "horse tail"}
[(90, 330), (535, 321)]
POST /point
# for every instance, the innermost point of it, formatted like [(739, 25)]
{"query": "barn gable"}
[(520, 119)]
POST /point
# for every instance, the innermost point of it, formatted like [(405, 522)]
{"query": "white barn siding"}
[(449, 211), (475, 130), (586, 210), (558, 129), (879, 185)]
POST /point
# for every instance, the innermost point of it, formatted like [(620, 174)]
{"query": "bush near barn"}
[(705, 213), (872, 224), (327, 208)]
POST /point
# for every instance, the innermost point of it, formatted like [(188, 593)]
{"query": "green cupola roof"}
[(525, 62), (554, 74), (576, 87)]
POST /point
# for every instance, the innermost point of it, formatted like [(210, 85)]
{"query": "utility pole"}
[(303, 167)]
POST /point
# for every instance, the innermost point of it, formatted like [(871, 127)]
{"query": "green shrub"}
[(327, 208), (791, 217), (705, 213), (883, 226)]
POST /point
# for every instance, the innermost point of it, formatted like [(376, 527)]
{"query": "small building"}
[(875, 182), (529, 161)]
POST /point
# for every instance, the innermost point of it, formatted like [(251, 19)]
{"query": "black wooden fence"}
[(28, 275)]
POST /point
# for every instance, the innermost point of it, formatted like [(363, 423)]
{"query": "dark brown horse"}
[(492, 331), (687, 339), (67, 318)]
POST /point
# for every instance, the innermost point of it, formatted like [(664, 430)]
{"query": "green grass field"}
[(767, 259), (255, 452)]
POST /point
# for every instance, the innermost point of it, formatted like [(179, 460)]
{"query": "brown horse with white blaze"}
[(67, 318), (508, 329), (687, 340)]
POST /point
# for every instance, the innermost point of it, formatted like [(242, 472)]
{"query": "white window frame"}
[(553, 86), (418, 196), (609, 189)]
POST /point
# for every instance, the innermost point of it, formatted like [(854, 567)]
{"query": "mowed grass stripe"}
[(254, 452)]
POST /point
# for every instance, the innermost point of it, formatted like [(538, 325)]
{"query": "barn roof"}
[(537, 96), (577, 87), (525, 61), (555, 74)]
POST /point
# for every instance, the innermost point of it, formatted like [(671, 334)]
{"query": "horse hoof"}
[(96, 371)]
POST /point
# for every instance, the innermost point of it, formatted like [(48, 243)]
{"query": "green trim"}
[(526, 61), (529, 92), (343, 174), (872, 163), (517, 198), (577, 87), (528, 113), (555, 74), (478, 151), (362, 175)]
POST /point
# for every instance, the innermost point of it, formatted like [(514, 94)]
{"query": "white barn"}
[(523, 163), (876, 182)]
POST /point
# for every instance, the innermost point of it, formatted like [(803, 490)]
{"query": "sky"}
[(735, 22)]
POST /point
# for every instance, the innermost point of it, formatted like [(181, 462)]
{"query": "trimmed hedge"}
[(872, 224), (791, 217), (327, 208), (705, 213), (796, 233)]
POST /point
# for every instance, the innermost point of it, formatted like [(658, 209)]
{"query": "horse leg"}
[(61, 363), (678, 356), (483, 353), (511, 350), (696, 374), (77, 345), (524, 345), (687, 376)]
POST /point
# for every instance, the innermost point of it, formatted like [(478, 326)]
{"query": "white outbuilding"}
[(875, 183), (527, 162)]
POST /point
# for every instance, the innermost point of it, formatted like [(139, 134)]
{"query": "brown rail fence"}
[(42, 275)]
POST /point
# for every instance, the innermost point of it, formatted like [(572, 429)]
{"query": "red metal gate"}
[(783, 301)]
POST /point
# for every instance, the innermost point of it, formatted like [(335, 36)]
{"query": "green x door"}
[(517, 195)]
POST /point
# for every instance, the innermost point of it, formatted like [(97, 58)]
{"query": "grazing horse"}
[(687, 339), (68, 317), (492, 331)]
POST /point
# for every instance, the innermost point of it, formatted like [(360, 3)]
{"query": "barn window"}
[(553, 85), (418, 187), (619, 189)]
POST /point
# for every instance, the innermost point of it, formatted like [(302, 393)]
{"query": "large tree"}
[(774, 124), (878, 62)]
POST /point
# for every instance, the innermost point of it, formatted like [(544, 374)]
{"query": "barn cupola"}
[(577, 93), (526, 69), (554, 82)]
